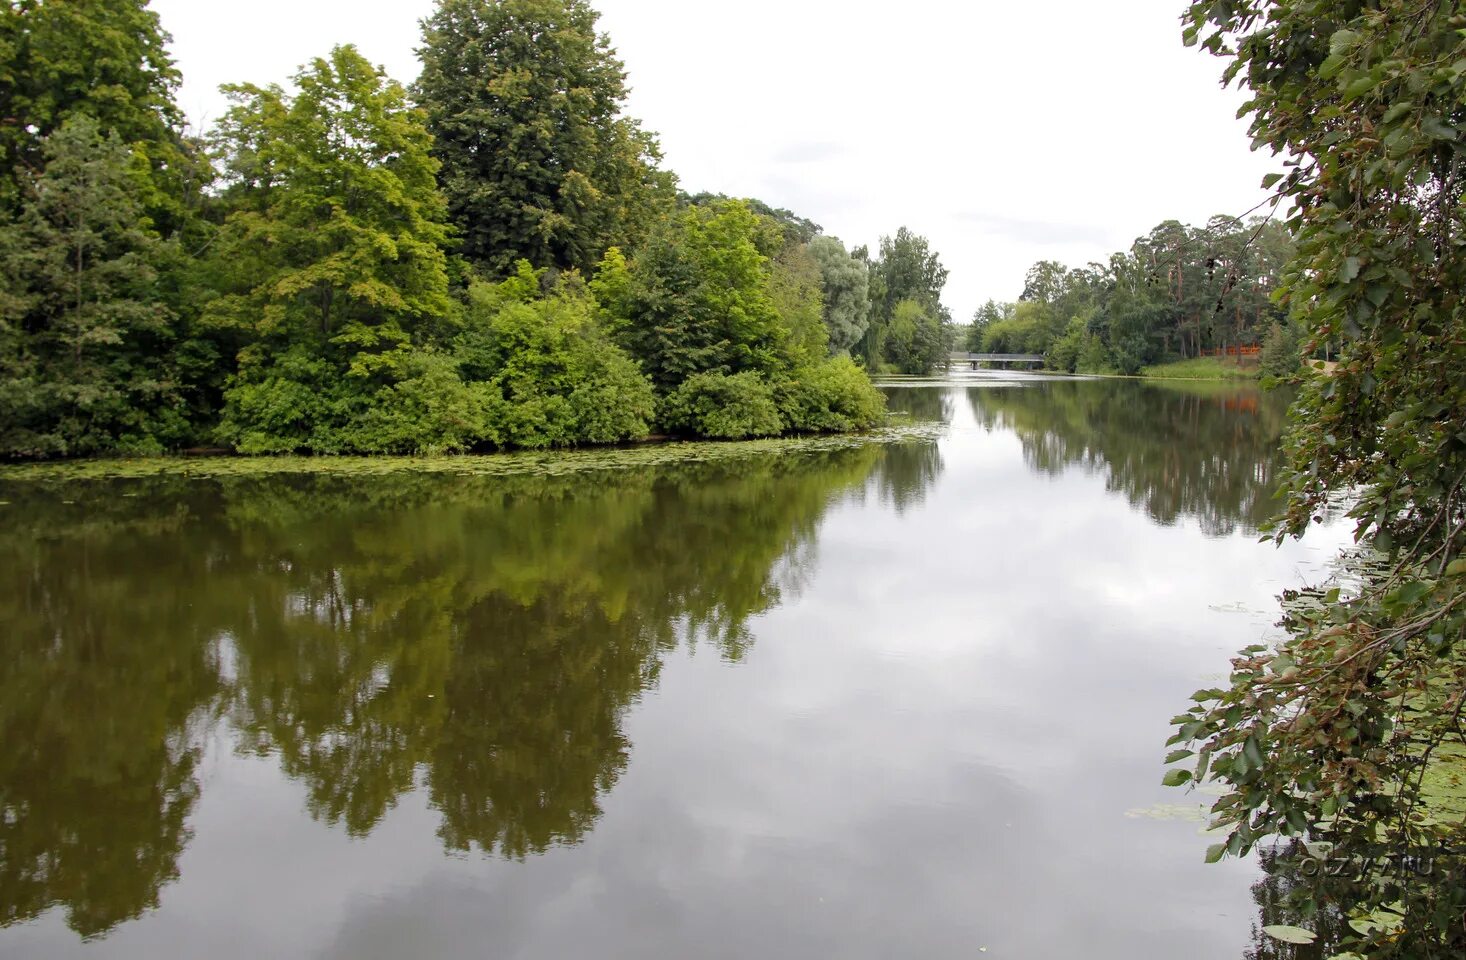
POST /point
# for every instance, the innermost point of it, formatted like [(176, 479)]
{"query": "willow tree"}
[(524, 101), (845, 283), (1351, 732)]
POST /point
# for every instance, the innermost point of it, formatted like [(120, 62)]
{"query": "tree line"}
[(491, 257), (1179, 291)]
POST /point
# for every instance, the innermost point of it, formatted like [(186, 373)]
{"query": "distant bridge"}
[(973, 359)]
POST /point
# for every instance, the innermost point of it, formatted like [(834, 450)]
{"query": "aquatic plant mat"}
[(549, 463)]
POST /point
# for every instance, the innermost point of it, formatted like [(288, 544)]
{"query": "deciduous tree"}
[(524, 101)]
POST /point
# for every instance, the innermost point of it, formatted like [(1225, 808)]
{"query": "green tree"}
[(989, 313), (845, 282), (696, 299), (524, 101), (84, 331), (797, 288), (911, 270), (1280, 356), (108, 60), (335, 250), (1346, 733), (560, 378), (908, 270), (915, 339)]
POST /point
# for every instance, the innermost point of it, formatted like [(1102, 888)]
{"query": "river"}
[(897, 697)]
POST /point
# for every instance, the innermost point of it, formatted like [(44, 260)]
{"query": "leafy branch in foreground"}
[(1350, 733)]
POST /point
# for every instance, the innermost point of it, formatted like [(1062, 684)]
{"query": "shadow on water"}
[(480, 638), (1207, 451)]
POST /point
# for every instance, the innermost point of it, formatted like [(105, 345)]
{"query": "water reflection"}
[(471, 653), (480, 638), (921, 403), (1204, 451)]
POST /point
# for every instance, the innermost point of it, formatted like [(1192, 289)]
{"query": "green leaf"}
[(1436, 128), (1175, 778), (1342, 40), (1349, 269), (1176, 756), (1360, 87), (1289, 934), (1215, 852), (1397, 111)]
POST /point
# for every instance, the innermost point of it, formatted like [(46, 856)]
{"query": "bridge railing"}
[(997, 357)]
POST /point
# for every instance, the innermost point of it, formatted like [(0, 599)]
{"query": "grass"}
[(1200, 368)]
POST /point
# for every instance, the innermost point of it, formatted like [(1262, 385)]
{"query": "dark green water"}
[(902, 699)]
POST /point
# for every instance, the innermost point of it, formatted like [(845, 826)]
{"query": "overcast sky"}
[(1005, 132)]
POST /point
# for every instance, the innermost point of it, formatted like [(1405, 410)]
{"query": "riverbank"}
[(1200, 368), (1197, 368), (541, 462)]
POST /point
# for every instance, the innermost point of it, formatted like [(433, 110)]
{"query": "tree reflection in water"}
[(479, 638), (1207, 451)]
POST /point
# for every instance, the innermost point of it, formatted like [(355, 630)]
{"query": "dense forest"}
[(491, 257), (1179, 291)]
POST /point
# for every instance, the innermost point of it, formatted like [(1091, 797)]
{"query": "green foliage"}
[(84, 331), (561, 379), (832, 396), (916, 341), (724, 407), (1281, 354), (989, 313), (1329, 736), (786, 227), (906, 280), (1030, 329), (335, 248), (1177, 292), (524, 103), (103, 59), (1201, 368), (796, 286), (316, 311), (1094, 356), (697, 298), (431, 410), (1063, 353), (845, 282), (910, 270), (339, 232)]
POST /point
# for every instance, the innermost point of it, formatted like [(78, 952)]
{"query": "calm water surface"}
[(904, 699)]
